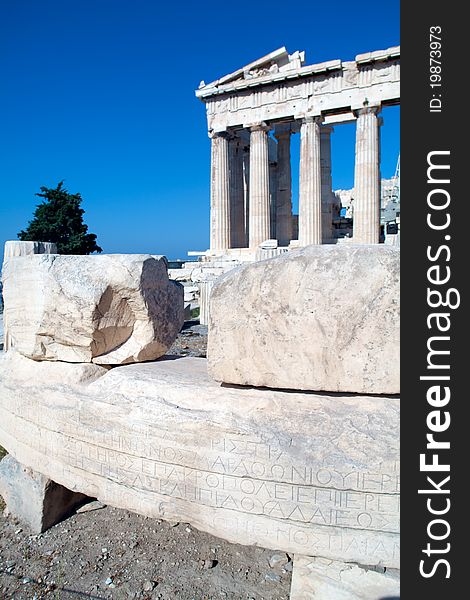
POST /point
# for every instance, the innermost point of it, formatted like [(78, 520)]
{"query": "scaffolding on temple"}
[(396, 183)]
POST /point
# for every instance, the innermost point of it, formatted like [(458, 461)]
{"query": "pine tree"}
[(59, 219)]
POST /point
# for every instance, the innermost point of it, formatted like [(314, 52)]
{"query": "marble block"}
[(323, 318), (309, 474), (107, 309)]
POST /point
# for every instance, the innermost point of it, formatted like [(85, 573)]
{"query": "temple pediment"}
[(281, 68), (275, 62)]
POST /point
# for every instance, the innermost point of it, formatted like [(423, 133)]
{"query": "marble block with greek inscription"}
[(107, 309), (311, 474), (323, 317)]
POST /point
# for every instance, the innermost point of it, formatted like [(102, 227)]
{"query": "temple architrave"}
[(252, 115)]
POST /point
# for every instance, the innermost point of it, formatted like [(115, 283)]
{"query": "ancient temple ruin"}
[(285, 437), (252, 114)]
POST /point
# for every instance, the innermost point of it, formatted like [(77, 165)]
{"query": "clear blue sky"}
[(101, 93)]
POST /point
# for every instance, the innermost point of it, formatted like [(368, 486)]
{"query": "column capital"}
[(260, 126), (367, 110), (313, 119), (218, 134)]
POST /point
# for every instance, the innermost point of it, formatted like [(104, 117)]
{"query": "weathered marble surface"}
[(106, 309), (306, 473), (14, 248), (33, 498), (333, 580), (19, 248), (20, 369), (318, 318)]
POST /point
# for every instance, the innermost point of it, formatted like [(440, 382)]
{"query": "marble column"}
[(205, 288), (273, 175), (326, 183), (310, 213), (366, 224), (220, 194), (260, 217), (246, 192), (237, 197), (284, 186)]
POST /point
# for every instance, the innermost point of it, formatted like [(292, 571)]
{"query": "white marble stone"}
[(307, 474), (18, 368), (220, 194), (205, 288), (325, 317), (367, 178), (260, 211), (310, 186), (32, 498), (14, 248), (18, 248), (321, 579), (106, 309)]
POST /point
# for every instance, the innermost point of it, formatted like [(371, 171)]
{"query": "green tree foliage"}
[(59, 219)]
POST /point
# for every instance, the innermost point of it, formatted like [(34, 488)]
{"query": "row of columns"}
[(251, 202)]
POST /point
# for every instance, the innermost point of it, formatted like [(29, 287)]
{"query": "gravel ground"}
[(110, 553), (191, 341)]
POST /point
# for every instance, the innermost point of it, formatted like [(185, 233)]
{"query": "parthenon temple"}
[(278, 427), (252, 114)]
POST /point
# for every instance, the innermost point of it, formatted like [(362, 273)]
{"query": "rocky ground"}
[(110, 553), (192, 340)]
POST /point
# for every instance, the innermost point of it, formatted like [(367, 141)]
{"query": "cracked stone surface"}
[(106, 309), (315, 577), (323, 318), (288, 471)]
